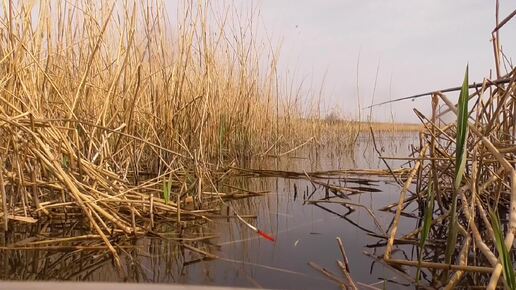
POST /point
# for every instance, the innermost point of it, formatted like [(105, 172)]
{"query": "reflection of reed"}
[(83, 257), (331, 187)]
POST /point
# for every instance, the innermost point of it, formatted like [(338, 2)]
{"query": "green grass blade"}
[(427, 223), (452, 231), (503, 252), (166, 191), (460, 165), (462, 132)]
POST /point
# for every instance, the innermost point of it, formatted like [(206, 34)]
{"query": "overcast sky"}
[(419, 45)]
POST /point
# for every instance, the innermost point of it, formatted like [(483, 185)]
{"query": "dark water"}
[(304, 233), (307, 232)]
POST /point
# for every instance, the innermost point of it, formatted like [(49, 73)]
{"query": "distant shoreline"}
[(388, 126), (377, 126)]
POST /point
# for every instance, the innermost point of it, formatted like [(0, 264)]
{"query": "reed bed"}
[(117, 120), (465, 186), (51, 182), (333, 132)]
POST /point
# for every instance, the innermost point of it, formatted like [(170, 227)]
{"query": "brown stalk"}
[(4, 196), (394, 228)]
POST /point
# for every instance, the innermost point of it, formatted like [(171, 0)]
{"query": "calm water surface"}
[(304, 233)]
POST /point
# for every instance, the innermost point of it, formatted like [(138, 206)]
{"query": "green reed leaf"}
[(503, 252), (460, 165), (462, 131), (166, 190), (427, 223)]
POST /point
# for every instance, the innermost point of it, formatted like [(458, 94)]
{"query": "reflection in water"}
[(304, 231)]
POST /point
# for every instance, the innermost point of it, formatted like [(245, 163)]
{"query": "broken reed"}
[(484, 160)]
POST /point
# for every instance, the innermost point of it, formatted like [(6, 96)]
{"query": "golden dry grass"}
[(106, 105)]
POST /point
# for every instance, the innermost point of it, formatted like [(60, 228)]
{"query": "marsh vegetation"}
[(138, 147)]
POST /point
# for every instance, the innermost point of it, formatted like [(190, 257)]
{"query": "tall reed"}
[(192, 86), (460, 165)]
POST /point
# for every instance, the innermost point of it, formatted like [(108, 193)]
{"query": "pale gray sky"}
[(422, 45)]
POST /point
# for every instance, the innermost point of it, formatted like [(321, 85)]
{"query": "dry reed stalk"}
[(404, 190), (344, 266), (350, 204), (441, 266), (463, 260), (332, 276), (396, 270), (476, 233), (5, 216)]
